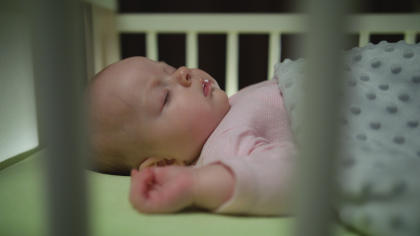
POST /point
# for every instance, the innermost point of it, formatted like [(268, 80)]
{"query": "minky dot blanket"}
[(379, 164)]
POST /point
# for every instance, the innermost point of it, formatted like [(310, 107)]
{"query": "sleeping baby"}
[(187, 144)]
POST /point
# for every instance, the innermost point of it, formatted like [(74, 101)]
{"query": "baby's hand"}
[(162, 190)]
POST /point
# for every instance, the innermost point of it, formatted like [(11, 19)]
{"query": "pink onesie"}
[(254, 139)]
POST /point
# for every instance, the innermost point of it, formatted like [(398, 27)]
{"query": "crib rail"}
[(234, 24), (105, 36)]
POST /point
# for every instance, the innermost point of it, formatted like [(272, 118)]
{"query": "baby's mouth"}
[(206, 84)]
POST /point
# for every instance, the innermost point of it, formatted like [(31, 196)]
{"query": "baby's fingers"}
[(140, 185)]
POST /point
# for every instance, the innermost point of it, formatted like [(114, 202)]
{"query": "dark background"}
[(252, 47)]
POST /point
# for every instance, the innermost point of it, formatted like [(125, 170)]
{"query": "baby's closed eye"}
[(167, 96)]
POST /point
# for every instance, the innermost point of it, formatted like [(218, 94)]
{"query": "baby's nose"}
[(183, 76)]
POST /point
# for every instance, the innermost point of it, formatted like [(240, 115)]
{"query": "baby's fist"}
[(162, 189)]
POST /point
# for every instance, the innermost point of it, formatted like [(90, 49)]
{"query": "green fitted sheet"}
[(23, 204)]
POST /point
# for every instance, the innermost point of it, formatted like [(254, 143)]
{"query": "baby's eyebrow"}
[(152, 84)]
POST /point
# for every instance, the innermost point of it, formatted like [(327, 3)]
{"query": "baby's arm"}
[(214, 186), (172, 188)]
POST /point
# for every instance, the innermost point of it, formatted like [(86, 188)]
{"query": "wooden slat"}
[(152, 46), (274, 52), (105, 38), (410, 36), (232, 45), (363, 38), (316, 113), (258, 23), (192, 50), (210, 23), (384, 23)]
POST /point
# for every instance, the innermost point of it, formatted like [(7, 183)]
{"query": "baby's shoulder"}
[(259, 85), (254, 92)]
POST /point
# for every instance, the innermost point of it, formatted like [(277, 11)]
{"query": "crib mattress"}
[(23, 209)]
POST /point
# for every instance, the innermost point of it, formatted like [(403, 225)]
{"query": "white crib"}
[(102, 28), (106, 25)]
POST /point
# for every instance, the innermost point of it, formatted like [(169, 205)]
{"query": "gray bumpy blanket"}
[(379, 170)]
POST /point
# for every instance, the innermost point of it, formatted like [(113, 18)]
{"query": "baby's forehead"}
[(127, 80), (136, 62), (124, 72)]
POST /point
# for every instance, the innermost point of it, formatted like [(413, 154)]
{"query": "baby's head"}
[(145, 113)]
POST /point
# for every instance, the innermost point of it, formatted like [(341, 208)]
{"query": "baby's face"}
[(176, 109)]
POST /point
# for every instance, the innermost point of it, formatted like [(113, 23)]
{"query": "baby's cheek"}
[(197, 119), (206, 122)]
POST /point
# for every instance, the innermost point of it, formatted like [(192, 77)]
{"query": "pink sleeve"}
[(263, 181)]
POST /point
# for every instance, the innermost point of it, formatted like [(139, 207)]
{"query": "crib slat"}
[(58, 41), (209, 23), (232, 45), (274, 50), (192, 50), (364, 38), (317, 112), (410, 37), (152, 45)]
